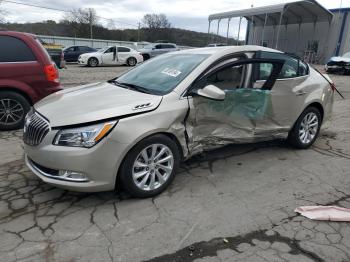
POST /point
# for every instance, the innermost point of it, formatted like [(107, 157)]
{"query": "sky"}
[(186, 14)]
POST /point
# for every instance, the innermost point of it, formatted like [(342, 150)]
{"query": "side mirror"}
[(211, 92)]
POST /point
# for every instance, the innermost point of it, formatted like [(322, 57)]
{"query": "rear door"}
[(123, 54), (291, 88), (246, 113)]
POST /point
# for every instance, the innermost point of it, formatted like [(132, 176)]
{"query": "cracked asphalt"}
[(233, 204)]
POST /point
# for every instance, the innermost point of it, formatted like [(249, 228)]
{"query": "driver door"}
[(245, 115), (110, 56)]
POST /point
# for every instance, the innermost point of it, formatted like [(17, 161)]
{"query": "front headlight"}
[(86, 136)]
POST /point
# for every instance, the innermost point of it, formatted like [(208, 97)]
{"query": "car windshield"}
[(347, 55), (162, 74)]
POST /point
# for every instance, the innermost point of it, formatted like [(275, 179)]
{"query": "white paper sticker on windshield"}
[(171, 72)]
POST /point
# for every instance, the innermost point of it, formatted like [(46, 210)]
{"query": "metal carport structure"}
[(298, 12)]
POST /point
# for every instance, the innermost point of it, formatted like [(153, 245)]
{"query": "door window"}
[(14, 50), (293, 67), (227, 78), (123, 50), (110, 50), (158, 46), (84, 48)]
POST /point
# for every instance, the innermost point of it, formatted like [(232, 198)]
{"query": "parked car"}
[(153, 50), (56, 53), (216, 45), (27, 74), (72, 53), (135, 129), (339, 64), (111, 55)]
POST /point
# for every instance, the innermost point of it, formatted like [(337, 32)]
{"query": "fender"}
[(11, 84)]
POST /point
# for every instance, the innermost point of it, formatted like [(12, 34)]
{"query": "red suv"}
[(27, 74)]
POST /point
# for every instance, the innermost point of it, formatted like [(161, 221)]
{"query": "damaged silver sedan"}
[(135, 129)]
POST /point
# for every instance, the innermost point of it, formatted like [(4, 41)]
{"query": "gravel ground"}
[(75, 74), (233, 204)]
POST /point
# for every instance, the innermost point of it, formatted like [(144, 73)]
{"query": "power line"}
[(65, 11)]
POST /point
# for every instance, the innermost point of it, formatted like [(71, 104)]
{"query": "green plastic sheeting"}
[(250, 103)]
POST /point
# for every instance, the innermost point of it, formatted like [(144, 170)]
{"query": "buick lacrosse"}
[(135, 129)]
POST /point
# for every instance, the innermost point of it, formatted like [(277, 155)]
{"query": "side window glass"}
[(303, 69), (290, 68), (14, 50), (123, 50), (110, 50), (158, 47), (228, 78), (70, 49)]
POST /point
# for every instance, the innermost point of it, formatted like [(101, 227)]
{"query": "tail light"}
[(51, 73)]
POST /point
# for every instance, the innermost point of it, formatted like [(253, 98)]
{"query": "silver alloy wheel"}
[(11, 111), (308, 128), (93, 62), (153, 167)]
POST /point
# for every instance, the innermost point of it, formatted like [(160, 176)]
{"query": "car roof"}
[(228, 49)]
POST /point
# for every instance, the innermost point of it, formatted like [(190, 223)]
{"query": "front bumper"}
[(99, 164), (82, 61)]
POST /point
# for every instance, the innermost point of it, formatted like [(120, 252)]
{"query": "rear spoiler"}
[(330, 82)]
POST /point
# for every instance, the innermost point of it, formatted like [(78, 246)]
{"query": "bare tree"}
[(82, 20), (156, 21)]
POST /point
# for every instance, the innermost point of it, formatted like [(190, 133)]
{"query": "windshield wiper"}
[(133, 87)]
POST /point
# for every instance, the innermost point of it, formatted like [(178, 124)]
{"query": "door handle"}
[(300, 93)]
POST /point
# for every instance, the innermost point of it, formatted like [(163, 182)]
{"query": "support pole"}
[(279, 29), (253, 31), (263, 31), (217, 31), (209, 31), (239, 29), (228, 29)]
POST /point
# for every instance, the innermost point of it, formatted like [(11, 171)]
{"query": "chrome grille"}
[(35, 129)]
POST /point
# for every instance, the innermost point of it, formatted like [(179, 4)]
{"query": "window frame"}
[(258, 53), (235, 61)]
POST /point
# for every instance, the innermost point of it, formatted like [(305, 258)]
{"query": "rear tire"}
[(306, 129), (150, 166), (13, 109), (131, 61), (92, 62)]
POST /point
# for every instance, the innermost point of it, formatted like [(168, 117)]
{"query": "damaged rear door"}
[(245, 115)]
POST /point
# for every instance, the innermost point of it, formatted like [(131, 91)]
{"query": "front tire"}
[(150, 166), (306, 129), (93, 62), (13, 109)]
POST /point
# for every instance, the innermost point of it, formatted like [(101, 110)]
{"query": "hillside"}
[(174, 35)]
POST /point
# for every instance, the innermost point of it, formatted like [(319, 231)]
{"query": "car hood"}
[(94, 102), (340, 59)]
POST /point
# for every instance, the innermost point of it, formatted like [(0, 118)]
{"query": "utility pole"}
[(138, 32), (90, 20)]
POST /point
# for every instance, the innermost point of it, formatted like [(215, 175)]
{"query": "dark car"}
[(27, 74), (72, 53)]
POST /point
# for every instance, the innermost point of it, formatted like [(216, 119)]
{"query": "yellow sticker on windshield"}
[(171, 72)]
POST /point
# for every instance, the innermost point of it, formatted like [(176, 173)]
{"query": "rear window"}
[(14, 50)]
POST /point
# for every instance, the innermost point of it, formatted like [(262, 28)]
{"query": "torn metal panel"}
[(246, 115)]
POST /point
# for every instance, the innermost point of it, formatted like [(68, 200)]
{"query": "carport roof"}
[(307, 11)]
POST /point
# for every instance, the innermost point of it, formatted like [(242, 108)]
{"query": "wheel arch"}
[(164, 133), (317, 105), (18, 91)]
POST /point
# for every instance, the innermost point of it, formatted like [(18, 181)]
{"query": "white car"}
[(111, 55)]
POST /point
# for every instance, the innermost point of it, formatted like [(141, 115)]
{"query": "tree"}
[(156, 21), (82, 21)]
